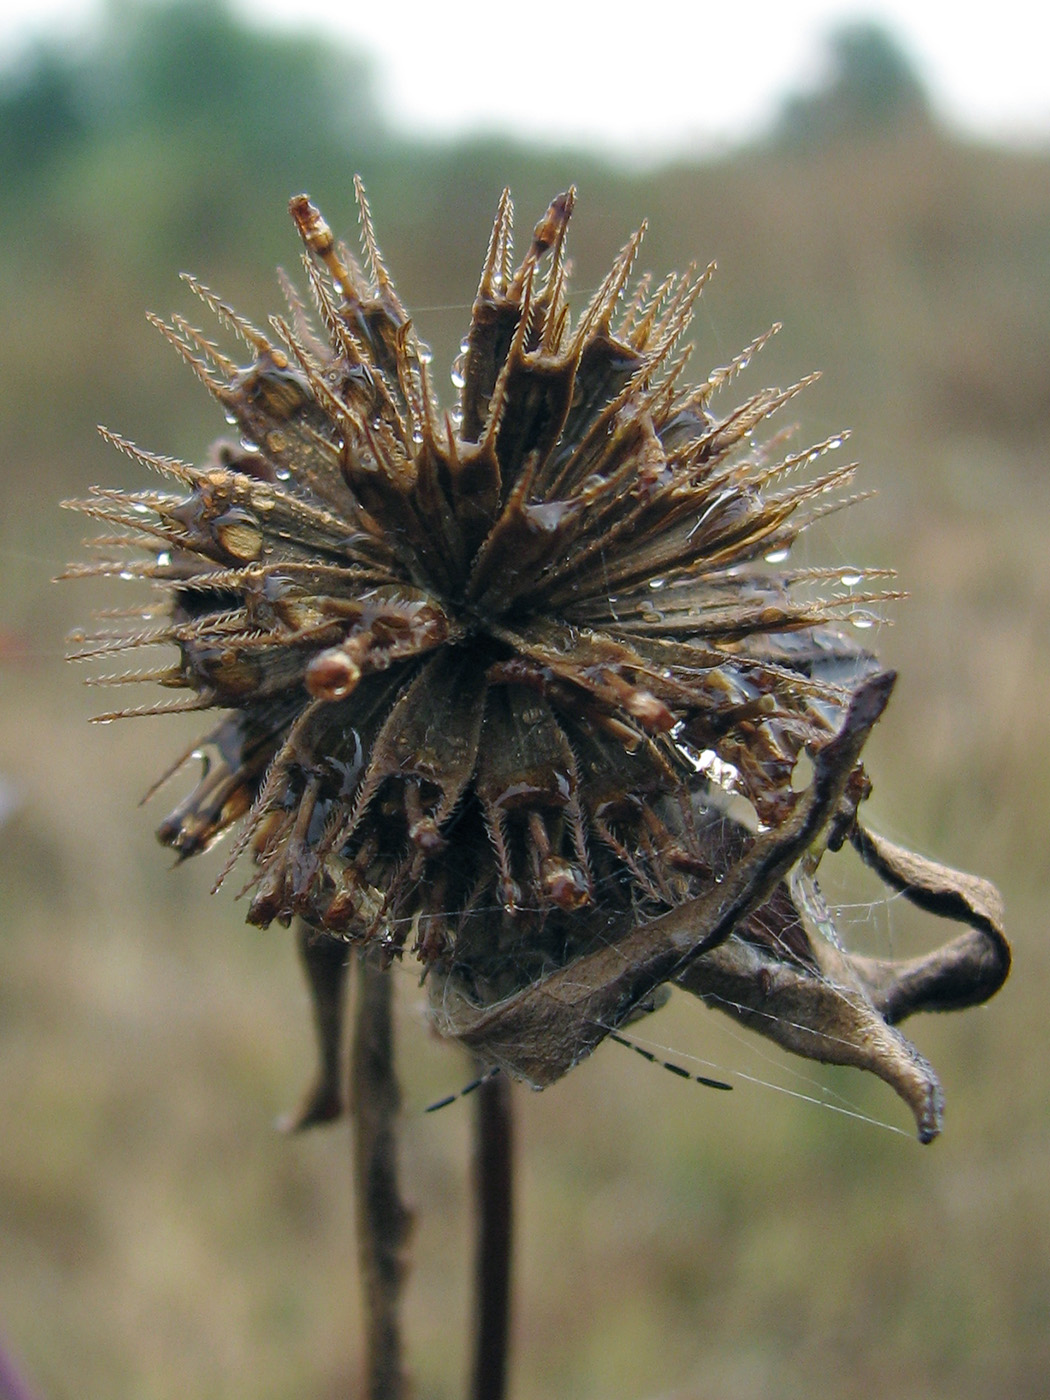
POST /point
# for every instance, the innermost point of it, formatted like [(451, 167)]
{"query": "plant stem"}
[(383, 1220), (494, 1194)]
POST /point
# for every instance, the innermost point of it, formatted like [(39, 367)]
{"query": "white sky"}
[(648, 78)]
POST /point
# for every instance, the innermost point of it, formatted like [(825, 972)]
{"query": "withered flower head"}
[(523, 687)]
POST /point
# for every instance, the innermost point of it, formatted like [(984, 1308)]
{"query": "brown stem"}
[(493, 1186), (383, 1221)]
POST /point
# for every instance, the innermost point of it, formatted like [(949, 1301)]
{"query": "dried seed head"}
[(491, 678)]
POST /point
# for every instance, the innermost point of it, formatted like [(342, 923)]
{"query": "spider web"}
[(866, 916)]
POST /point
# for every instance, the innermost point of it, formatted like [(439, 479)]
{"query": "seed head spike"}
[(490, 678), (254, 339), (197, 363), (376, 267), (317, 237), (599, 311), (305, 333)]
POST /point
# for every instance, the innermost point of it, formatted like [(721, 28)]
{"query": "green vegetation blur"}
[(157, 1238)]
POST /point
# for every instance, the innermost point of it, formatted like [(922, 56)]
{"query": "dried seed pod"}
[(492, 676)]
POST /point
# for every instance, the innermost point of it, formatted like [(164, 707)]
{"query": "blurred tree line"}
[(173, 136), (178, 103), (192, 75), (870, 87), (182, 74)]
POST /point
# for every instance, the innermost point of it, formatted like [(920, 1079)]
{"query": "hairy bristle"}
[(526, 682)]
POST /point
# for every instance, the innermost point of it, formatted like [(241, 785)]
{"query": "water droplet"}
[(458, 377), (862, 620), (248, 446), (163, 558), (282, 474), (656, 583), (802, 773), (126, 574), (140, 508), (424, 352), (231, 418), (777, 556), (716, 770), (464, 345), (850, 580)]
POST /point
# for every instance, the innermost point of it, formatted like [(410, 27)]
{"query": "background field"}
[(157, 1238)]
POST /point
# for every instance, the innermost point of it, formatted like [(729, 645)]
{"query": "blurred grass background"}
[(157, 1239)]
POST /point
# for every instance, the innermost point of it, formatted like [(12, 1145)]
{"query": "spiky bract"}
[(490, 675)]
